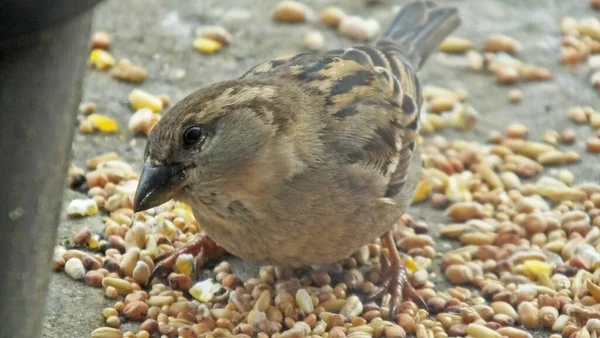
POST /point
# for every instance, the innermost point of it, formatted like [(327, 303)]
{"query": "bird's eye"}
[(192, 135)]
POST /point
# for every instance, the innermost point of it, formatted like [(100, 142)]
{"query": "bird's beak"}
[(158, 184)]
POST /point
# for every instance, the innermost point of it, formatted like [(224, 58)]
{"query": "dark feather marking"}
[(396, 93), (408, 105), (393, 190), (387, 136), (311, 71), (278, 62), (375, 56), (346, 83), (236, 206), (335, 52), (414, 125), (346, 111)]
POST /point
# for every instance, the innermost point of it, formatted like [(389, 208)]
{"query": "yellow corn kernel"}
[(184, 264), (94, 241), (538, 267), (141, 99), (206, 45), (103, 123), (101, 59), (422, 191), (410, 264)]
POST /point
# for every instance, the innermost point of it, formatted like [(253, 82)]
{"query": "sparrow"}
[(303, 159)]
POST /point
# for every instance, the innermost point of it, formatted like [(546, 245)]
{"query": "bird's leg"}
[(202, 247), (394, 277)]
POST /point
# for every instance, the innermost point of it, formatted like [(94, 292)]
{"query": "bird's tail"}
[(419, 27)]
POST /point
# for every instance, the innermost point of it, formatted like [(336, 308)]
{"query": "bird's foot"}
[(202, 248), (394, 279)]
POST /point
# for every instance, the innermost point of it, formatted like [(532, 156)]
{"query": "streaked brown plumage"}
[(304, 159)]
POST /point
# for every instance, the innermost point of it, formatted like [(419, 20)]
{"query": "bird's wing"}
[(371, 114)]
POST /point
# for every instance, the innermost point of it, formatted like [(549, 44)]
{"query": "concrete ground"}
[(158, 34)]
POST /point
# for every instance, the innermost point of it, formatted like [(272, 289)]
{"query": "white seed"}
[(74, 268), (143, 121), (314, 41), (304, 301), (82, 207), (360, 29)]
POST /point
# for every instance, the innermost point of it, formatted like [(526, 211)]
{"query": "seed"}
[(82, 236), (111, 293), (459, 274), (314, 41), (135, 310), (507, 75), (82, 207), (529, 315), (501, 43), (568, 136), (332, 16), (480, 331), (143, 121), (415, 241), (464, 117), (107, 332), (139, 99), (548, 316), (290, 11), (577, 115), (101, 59), (592, 145), (441, 104), (94, 278), (516, 130), (394, 332), (74, 268), (141, 273), (351, 308), (476, 60), (463, 211), (127, 71), (216, 33), (357, 28), (180, 282), (515, 95), (505, 308), (113, 321), (129, 260), (122, 286), (304, 301), (100, 40), (206, 45), (454, 44)]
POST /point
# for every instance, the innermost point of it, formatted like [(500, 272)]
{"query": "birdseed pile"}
[(526, 232)]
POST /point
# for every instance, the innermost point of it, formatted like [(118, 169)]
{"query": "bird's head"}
[(214, 140)]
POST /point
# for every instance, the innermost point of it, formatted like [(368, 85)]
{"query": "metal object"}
[(42, 62)]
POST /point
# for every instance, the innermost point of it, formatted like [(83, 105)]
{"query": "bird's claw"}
[(203, 247)]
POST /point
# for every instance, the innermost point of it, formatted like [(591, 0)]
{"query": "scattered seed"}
[(216, 33), (501, 43), (290, 11), (592, 145), (314, 41), (332, 16), (357, 28), (454, 44)]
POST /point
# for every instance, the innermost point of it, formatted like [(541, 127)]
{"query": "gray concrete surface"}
[(158, 34)]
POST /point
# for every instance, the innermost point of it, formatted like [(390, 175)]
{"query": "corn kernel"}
[(422, 191), (101, 59), (140, 99), (94, 241), (206, 45), (184, 264), (103, 123), (410, 264), (537, 267)]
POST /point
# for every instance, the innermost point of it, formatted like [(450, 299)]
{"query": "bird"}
[(302, 160)]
